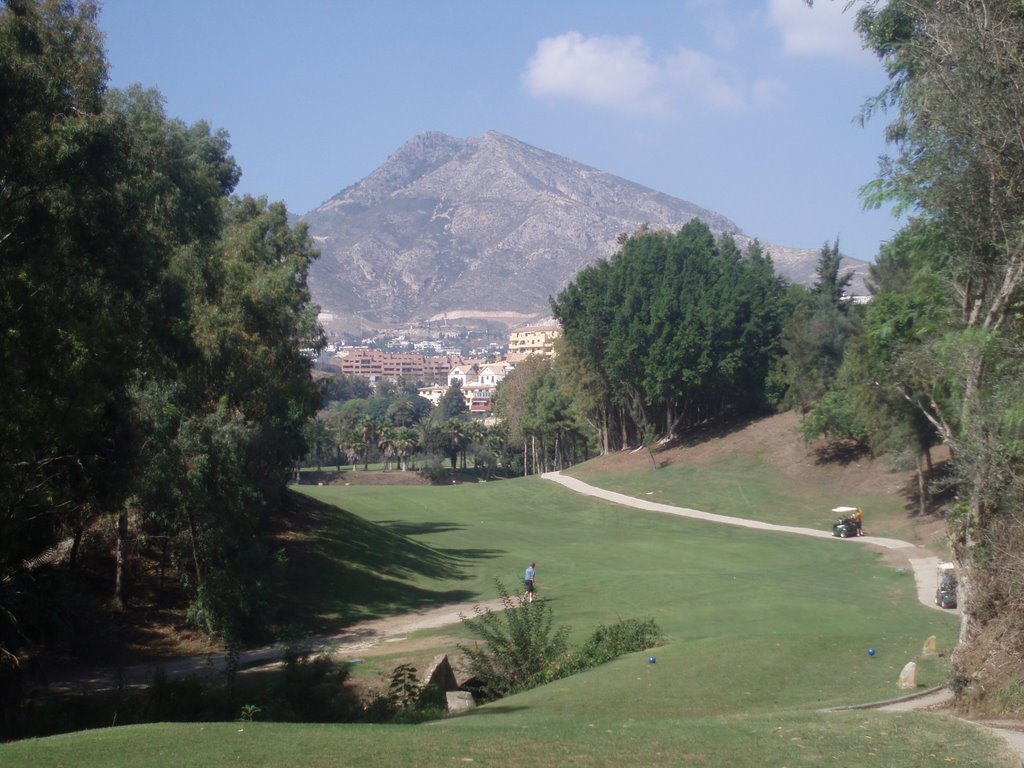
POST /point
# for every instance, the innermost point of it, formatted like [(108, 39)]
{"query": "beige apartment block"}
[(536, 339), (375, 364)]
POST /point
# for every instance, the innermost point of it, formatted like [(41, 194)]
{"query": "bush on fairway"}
[(609, 642), (523, 650), (521, 647)]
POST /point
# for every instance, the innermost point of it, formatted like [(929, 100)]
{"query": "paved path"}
[(653, 506), (923, 566)]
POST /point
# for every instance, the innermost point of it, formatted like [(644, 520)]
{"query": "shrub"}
[(834, 416), (406, 701), (311, 691), (608, 643), (405, 688), (433, 468), (182, 701), (521, 647)]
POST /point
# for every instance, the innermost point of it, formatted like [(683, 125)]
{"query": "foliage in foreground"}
[(946, 337), (307, 690), (522, 648), (153, 343)]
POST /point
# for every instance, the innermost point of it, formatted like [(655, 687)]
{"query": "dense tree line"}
[(948, 339), (675, 329), (392, 425), (538, 426), (543, 427), (152, 335)]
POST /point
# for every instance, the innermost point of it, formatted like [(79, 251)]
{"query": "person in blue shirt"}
[(529, 578)]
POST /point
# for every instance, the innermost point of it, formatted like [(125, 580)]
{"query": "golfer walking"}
[(529, 577)]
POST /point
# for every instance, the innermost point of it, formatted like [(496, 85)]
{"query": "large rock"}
[(439, 673), (908, 677), (459, 701), (930, 649)]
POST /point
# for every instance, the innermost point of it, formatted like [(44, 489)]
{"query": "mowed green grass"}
[(763, 631), (744, 485)]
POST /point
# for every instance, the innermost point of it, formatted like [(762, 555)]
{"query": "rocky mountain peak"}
[(489, 225)]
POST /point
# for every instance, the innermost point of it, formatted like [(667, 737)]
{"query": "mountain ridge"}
[(486, 224)]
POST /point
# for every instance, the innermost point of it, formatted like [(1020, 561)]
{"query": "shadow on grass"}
[(342, 569), (472, 554), (495, 709), (689, 437), (943, 492), (841, 452), (402, 528)]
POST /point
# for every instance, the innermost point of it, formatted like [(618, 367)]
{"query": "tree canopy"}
[(671, 331), (946, 336), (154, 330)]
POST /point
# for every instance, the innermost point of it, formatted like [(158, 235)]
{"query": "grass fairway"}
[(763, 471), (763, 630)]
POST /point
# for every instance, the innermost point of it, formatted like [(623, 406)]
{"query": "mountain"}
[(486, 226)]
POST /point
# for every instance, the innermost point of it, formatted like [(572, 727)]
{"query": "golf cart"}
[(945, 592), (845, 527)]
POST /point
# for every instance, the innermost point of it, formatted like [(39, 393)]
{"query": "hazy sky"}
[(745, 107)]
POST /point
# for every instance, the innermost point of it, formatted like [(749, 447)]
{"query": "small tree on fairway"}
[(521, 649)]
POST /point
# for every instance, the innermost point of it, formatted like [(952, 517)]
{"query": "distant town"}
[(473, 359)]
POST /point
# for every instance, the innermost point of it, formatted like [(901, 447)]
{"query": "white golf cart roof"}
[(842, 510)]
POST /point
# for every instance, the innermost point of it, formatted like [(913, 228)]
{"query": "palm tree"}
[(405, 442), (475, 432), (367, 429), (454, 431), (354, 445), (386, 436)]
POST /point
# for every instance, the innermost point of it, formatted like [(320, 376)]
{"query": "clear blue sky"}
[(745, 107)]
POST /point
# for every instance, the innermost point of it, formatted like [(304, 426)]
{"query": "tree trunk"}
[(121, 562), (923, 496), (194, 536), (163, 562), (75, 546)]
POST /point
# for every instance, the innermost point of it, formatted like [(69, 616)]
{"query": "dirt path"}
[(368, 638)]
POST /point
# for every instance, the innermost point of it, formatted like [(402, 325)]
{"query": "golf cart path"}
[(923, 566)]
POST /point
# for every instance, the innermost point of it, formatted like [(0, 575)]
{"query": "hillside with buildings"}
[(478, 378)]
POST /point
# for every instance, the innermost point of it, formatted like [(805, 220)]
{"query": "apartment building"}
[(537, 339), (374, 364), (478, 382)]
